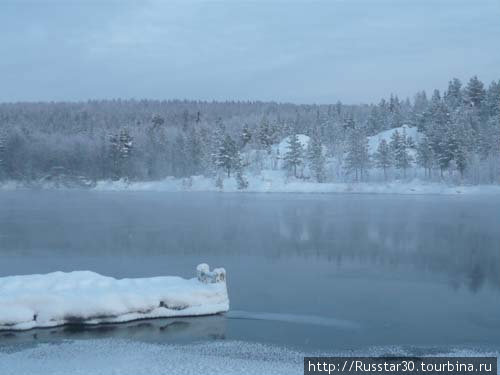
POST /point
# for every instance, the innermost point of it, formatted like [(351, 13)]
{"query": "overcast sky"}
[(299, 51)]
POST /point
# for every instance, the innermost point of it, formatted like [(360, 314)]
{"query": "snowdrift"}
[(86, 297)]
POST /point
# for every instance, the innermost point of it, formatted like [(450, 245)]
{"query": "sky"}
[(355, 51)]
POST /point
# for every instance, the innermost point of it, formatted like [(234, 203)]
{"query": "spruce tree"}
[(227, 155), (400, 145), (125, 150), (383, 157), (316, 158), (246, 136), (474, 92), (357, 157), (293, 156), (425, 155)]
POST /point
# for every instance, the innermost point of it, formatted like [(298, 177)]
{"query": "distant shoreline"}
[(259, 184)]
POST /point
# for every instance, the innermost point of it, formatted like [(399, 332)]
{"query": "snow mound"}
[(86, 297), (374, 141)]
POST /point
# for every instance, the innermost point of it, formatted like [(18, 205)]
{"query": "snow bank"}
[(86, 297)]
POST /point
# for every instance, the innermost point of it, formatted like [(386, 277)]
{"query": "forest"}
[(146, 140)]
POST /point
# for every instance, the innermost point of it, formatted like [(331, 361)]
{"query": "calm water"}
[(315, 272)]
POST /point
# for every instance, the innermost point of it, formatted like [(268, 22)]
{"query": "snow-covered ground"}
[(57, 298), (123, 357), (411, 132), (277, 182)]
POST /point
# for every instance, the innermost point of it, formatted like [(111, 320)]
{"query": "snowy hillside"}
[(374, 141), (58, 298), (282, 147)]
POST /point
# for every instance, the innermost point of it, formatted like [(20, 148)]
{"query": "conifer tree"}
[(227, 156), (425, 155), (316, 158), (294, 154), (357, 158), (383, 157), (246, 136), (400, 145), (474, 92)]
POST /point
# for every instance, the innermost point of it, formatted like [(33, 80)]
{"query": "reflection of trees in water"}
[(465, 251), (432, 234)]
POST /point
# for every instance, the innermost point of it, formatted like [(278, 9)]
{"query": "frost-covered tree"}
[(246, 136), (400, 145), (266, 135), (474, 92), (120, 153), (425, 155), (240, 178), (228, 155), (294, 154), (357, 158), (453, 96), (383, 157), (316, 158)]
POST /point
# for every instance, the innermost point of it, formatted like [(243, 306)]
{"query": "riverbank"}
[(274, 183)]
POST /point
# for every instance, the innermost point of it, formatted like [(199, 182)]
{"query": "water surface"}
[(312, 272)]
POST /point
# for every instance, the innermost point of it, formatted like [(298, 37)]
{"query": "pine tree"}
[(126, 143), (453, 97), (114, 155), (425, 155), (266, 135), (240, 178), (357, 158), (227, 156), (216, 144), (400, 145), (474, 92), (383, 157), (493, 99), (120, 152), (459, 138), (246, 136), (316, 158), (293, 156)]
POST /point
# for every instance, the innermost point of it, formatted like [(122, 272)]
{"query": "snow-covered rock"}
[(86, 297)]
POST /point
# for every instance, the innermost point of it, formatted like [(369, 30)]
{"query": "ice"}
[(58, 298), (123, 357)]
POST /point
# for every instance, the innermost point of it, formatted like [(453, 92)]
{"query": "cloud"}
[(314, 51)]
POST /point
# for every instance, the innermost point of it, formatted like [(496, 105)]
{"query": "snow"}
[(282, 147), (411, 132), (57, 298), (123, 357), (276, 181)]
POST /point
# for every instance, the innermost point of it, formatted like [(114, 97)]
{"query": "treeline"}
[(459, 138)]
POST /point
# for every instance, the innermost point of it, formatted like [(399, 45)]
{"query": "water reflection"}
[(456, 237), (152, 330)]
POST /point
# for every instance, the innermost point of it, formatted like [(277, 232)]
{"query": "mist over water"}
[(322, 272)]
